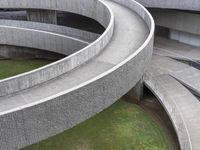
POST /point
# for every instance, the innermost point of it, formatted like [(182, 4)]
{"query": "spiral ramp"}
[(96, 72)]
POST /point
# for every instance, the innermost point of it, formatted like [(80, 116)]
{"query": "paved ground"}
[(120, 47)]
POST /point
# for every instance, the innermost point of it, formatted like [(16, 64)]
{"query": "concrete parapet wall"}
[(93, 8), (159, 88), (31, 38), (172, 4), (71, 32), (177, 20), (32, 78), (46, 16), (36, 121)]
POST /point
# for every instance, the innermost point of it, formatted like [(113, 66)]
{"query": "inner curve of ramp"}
[(41, 111), (180, 104), (182, 107)]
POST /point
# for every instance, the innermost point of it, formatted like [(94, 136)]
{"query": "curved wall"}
[(47, 117), (173, 4), (43, 74), (93, 8), (173, 110), (42, 40), (71, 32), (177, 20)]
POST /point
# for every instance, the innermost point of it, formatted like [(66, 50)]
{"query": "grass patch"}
[(123, 126), (10, 68)]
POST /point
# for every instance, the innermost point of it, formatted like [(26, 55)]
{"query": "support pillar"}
[(135, 95)]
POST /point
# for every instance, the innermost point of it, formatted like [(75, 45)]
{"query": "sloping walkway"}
[(187, 75), (119, 48), (177, 50), (183, 109)]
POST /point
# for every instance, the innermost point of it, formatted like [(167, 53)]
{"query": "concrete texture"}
[(177, 20), (93, 8), (71, 32), (30, 38), (36, 113), (172, 4), (176, 50), (183, 37), (27, 80), (182, 107), (187, 75), (46, 16)]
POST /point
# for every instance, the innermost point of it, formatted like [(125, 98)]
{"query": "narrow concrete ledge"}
[(172, 4), (182, 107), (70, 32), (51, 107), (67, 64)]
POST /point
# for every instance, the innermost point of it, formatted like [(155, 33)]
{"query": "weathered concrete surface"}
[(178, 20), (39, 112), (190, 78), (173, 4), (186, 74), (16, 36), (63, 30), (163, 65), (182, 107), (29, 79), (93, 8), (183, 37), (46, 16), (177, 50)]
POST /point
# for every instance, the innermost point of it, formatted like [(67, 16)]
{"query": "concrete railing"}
[(93, 8), (172, 4), (68, 108), (43, 74), (63, 30), (174, 114), (30, 38)]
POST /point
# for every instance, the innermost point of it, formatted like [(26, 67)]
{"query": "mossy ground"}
[(123, 126), (10, 68)]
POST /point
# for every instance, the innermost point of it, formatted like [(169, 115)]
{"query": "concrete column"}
[(135, 95), (46, 16)]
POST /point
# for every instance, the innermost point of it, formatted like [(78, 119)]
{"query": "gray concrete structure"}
[(43, 40), (48, 108), (44, 74), (70, 32), (176, 50), (177, 20), (46, 16), (182, 107), (172, 4)]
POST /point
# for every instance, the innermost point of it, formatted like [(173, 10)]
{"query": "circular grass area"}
[(9, 68), (123, 126)]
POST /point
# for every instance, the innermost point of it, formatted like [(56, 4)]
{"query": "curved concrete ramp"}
[(49, 108), (187, 75), (182, 107), (177, 50)]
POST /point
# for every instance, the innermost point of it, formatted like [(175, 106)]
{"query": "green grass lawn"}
[(123, 126), (10, 68)]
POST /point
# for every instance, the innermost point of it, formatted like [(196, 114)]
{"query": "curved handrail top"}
[(149, 38), (96, 42)]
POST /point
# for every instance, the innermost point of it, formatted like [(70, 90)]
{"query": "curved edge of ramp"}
[(34, 121), (182, 107)]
